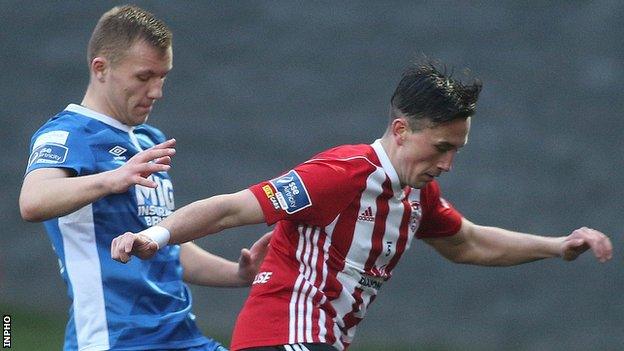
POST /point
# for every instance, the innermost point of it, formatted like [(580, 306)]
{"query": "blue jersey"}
[(138, 305)]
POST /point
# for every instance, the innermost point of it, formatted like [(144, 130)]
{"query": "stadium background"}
[(260, 86)]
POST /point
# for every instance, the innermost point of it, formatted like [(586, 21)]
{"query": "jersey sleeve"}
[(439, 217), (61, 146), (312, 193)]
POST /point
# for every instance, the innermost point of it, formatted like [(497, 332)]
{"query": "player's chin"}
[(421, 182), (140, 118), (418, 184)]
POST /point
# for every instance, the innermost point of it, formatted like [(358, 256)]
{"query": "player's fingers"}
[(119, 253), (601, 246), (147, 169), (166, 144), (163, 160), (605, 244), (128, 242), (151, 154), (113, 249), (576, 243), (157, 167), (609, 248), (245, 258), (595, 240), (139, 180), (599, 243), (266, 239), (261, 244)]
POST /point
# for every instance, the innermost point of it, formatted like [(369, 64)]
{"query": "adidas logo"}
[(367, 215)]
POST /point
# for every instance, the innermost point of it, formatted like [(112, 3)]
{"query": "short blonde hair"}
[(122, 26)]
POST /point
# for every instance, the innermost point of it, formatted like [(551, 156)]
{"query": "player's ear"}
[(399, 129), (99, 67)]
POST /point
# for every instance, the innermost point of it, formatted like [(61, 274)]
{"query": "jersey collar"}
[(388, 168), (98, 116)]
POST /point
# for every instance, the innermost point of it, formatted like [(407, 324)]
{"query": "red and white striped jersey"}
[(343, 222)]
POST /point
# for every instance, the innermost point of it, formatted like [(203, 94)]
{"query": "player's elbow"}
[(29, 212), (30, 209)]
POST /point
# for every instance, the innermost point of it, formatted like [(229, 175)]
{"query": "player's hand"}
[(251, 259), (584, 239), (138, 168), (129, 244)]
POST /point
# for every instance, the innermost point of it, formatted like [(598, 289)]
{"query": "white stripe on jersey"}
[(343, 304), (293, 298), (321, 322), (311, 278), (82, 264), (329, 231), (302, 269), (302, 304), (363, 231)]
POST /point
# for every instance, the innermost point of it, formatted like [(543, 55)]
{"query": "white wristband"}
[(157, 233)]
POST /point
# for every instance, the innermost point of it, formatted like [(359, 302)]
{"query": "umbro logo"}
[(117, 150), (367, 215)]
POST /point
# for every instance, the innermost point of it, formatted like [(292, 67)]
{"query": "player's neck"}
[(93, 101), (389, 147)]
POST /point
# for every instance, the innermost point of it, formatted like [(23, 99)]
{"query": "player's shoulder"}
[(350, 163), (430, 190), (430, 194), (59, 127), (354, 154), (65, 120)]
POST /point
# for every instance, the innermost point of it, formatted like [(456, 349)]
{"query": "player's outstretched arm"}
[(204, 268), (52, 192), (192, 221), (491, 246)]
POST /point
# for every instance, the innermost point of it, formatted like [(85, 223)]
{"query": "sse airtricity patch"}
[(48, 153), (56, 137), (291, 194)]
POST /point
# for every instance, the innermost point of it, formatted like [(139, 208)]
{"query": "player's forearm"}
[(43, 199), (493, 246), (203, 268), (212, 215), (197, 219)]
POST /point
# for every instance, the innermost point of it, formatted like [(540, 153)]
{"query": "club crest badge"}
[(415, 216)]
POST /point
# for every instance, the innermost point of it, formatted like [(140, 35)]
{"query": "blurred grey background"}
[(260, 86)]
